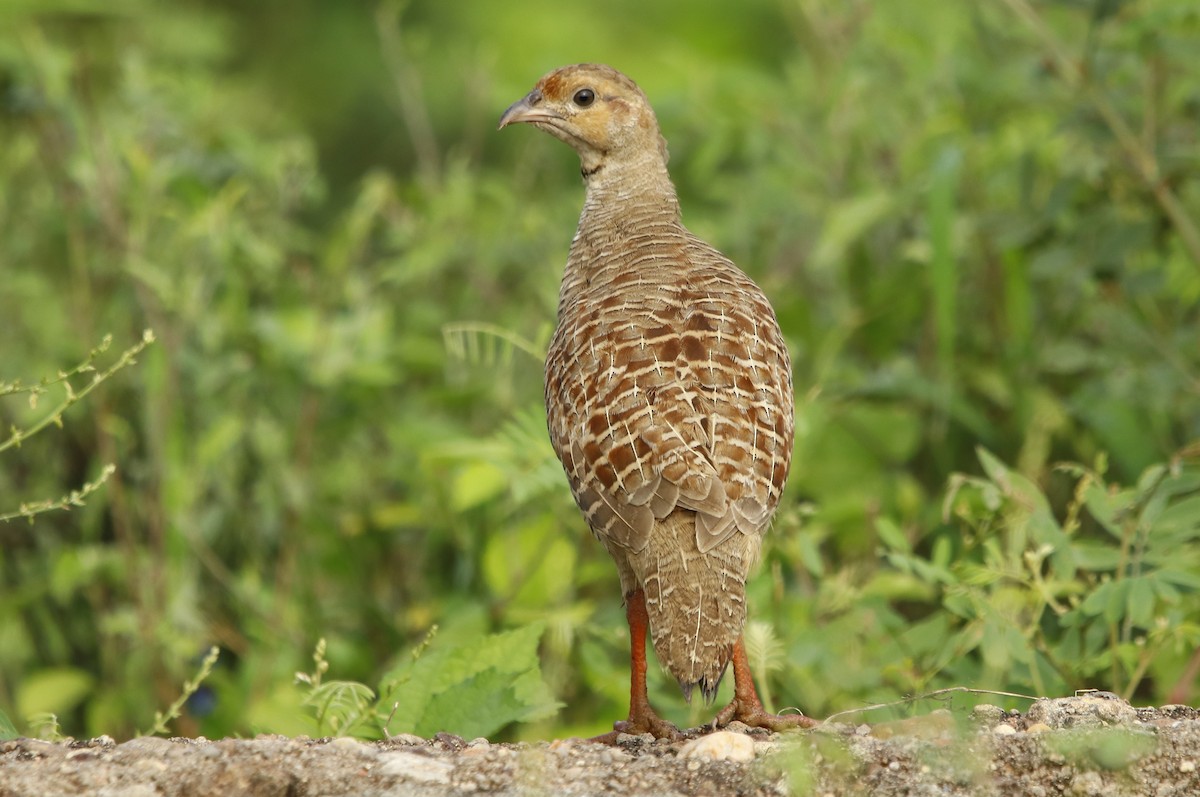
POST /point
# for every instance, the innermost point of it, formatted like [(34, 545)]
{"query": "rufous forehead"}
[(560, 83), (552, 84)]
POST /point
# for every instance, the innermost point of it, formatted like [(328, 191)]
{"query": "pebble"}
[(1083, 711), (720, 746), (407, 738), (1004, 729), (1087, 784), (1187, 765), (986, 712), (149, 745), (349, 743), (414, 766)]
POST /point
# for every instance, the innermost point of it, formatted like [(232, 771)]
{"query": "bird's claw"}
[(756, 716), (652, 724)]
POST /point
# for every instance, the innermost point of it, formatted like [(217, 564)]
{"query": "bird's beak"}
[(526, 110)]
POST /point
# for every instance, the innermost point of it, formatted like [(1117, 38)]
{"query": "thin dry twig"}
[(927, 696)]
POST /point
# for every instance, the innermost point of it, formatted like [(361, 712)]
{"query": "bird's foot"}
[(753, 714), (646, 722)]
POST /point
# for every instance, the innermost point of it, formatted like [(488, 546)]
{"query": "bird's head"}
[(601, 113)]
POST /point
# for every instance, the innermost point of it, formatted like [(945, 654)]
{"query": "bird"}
[(669, 403)]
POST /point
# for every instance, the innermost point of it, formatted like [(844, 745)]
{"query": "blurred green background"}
[(977, 223)]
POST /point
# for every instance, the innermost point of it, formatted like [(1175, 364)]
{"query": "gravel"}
[(1095, 745)]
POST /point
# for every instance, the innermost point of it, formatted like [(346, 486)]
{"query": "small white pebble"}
[(720, 746), (1187, 765), (347, 743), (894, 766), (1004, 730)]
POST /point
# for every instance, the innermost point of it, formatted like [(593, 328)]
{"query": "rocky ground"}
[(1092, 746)]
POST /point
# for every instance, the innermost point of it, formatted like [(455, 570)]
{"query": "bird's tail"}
[(696, 602)]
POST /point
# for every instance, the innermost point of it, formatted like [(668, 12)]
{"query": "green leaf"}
[(1141, 601), (891, 535), (532, 564), (845, 223), (7, 729), (1179, 522), (472, 689), (56, 690), (1108, 508), (477, 483), (1016, 487), (1097, 557), (1181, 578)]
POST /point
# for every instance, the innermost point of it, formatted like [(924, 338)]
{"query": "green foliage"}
[(7, 729), (976, 222), (190, 687), (471, 684), (71, 396), (1098, 598), (472, 688)]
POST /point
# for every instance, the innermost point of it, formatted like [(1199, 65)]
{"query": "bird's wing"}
[(689, 407)]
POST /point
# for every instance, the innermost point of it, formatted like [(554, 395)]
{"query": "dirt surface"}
[(1091, 746)]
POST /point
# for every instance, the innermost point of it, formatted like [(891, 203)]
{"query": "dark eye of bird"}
[(584, 97)]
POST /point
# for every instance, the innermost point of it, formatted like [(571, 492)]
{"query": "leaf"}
[(1179, 522), (1015, 486), (341, 706), (1181, 578), (472, 689), (532, 565), (477, 483), (478, 705), (1107, 507), (56, 690), (891, 535), (845, 223), (1095, 556), (7, 729), (1141, 601)]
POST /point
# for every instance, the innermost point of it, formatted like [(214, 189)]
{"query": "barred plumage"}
[(668, 384)]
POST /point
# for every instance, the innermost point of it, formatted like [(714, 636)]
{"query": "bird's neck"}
[(630, 235), (627, 195)]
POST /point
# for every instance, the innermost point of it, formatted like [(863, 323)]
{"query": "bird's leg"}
[(642, 717), (747, 708)]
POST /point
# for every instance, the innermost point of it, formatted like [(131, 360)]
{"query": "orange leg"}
[(642, 717), (747, 708)]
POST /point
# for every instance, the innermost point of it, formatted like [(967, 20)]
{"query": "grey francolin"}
[(668, 396)]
